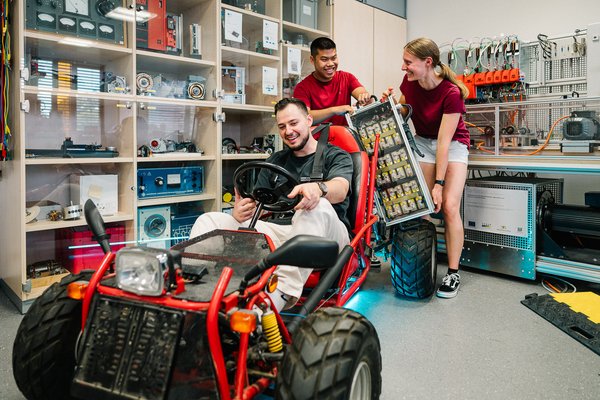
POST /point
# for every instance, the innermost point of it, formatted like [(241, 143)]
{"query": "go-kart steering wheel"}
[(273, 198)]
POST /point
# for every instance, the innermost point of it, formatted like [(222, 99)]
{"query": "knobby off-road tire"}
[(335, 354), (414, 261), (44, 349)]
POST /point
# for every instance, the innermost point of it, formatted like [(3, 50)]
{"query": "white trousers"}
[(320, 221)]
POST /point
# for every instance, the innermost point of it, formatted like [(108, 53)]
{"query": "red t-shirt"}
[(430, 105), (318, 95)]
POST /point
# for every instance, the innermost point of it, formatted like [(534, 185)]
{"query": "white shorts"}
[(459, 152)]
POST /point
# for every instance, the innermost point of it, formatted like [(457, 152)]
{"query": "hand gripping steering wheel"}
[(271, 197)]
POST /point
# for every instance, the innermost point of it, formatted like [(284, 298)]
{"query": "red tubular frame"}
[(212, 331), (344, 297), (242, 367), (364, 232), (372, 175), (89, 291)]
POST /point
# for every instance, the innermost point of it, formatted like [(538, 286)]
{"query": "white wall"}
[(444, 21)]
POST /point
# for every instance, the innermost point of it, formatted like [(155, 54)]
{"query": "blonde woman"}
[(437, 100)]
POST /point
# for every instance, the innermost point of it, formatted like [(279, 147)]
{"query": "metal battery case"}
[(499, 216), (401, 192)]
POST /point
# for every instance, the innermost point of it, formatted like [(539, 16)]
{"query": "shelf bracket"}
[(26, 287), (25, 106), (219, 117), (25, 74)]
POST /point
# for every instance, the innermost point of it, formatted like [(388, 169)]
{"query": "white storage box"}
[(102, 189)]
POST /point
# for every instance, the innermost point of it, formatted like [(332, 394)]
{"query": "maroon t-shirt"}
[(318, 95), (430, 105)]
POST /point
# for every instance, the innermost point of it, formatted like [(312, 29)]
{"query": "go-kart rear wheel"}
[(44, 348), (335, 354), (414, 260)]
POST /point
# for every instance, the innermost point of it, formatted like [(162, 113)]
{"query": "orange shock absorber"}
[(271, 330)]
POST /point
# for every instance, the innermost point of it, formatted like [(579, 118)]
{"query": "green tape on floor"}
[(578, 325)]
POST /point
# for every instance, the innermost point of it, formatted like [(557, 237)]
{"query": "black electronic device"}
[(582, 125), (71, 150), (90, 19)]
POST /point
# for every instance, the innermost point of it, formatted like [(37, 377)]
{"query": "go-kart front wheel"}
[(335, 354), (413, 264), (44, 349)]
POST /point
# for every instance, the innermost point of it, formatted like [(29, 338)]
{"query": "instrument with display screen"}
[(93, 19), (172, 181)]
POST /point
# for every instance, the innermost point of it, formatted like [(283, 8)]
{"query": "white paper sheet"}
[(294, 61), (233, 26), (269, 81), (270, 35)]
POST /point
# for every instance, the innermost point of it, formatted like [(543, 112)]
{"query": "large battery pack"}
[(401, 192)]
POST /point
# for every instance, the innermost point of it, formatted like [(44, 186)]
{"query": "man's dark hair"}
[(321, 43), (283, 103)]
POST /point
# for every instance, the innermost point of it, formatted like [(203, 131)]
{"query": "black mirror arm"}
[(253, 273), (324, 284)]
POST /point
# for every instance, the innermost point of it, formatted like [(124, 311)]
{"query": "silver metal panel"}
[(508, 254), (568, 269), (504, 260)]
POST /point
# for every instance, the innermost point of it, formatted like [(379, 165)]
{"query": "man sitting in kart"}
[(320, 212)]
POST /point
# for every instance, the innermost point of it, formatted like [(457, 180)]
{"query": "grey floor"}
[(483, 344)]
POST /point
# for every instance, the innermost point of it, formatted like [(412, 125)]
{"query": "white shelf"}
[(71, 161), (246, 108), (53, 225), (175, 199), (120, 97), (175, 157), (94, 46), (249, 13), (239, 55), (297, 46), (291, 27), (172, 101), (247, 156)]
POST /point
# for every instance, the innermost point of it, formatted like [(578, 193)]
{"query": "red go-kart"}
[(194, 322)]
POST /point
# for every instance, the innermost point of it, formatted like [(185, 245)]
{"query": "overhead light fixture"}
[(130, 14), (76, 42)]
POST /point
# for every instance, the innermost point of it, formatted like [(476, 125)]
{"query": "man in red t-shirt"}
[(327, 92)]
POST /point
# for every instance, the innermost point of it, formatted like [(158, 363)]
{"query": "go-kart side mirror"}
[(96, 224), (303, 251)]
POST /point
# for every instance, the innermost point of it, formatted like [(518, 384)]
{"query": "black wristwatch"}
[(440, 182), (323, 188)]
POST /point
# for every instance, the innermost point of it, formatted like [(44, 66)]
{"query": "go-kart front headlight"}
[(141, 270)]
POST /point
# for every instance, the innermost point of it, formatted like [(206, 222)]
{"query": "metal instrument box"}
[(172, 181), (499, 217)]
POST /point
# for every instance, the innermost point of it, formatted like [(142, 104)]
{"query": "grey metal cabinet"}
[(396, 7)]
